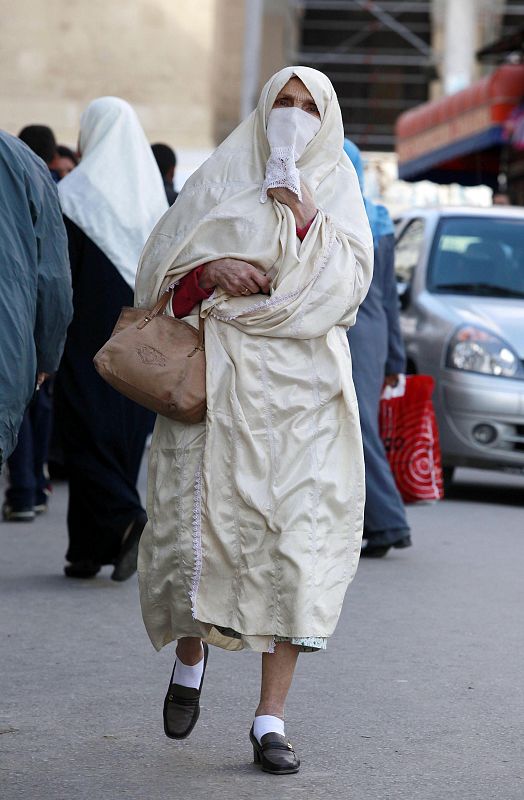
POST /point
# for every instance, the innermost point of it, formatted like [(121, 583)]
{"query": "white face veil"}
[(116, 194), (291, 128), (289, 131)]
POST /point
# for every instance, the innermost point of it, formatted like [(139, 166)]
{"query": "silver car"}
[(460, 274)]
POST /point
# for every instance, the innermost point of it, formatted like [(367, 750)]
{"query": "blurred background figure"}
[(111, 202), (41, 140), (67, 160), (166, 159), (29, 486), (378, 358), (35, 303), (501, 199)]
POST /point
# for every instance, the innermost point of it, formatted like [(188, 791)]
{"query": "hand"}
[(238, 278), (40, 378), (392, 380), (304, 210)]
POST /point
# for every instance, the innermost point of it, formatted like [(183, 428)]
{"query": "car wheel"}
[(447, 478)]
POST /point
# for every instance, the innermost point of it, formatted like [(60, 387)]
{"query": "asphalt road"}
[(420, 694)]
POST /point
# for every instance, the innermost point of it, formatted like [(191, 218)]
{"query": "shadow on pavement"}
[(57, 583), (485, 493)]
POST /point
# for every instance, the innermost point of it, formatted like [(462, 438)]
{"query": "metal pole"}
[(460, 42), (253, 11)]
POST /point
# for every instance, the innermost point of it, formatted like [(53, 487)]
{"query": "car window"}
[(479, 256), (407, 250)]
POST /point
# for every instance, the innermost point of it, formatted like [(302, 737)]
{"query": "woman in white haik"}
[(111, 203), (255, 515)]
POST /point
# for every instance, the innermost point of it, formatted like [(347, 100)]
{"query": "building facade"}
[(180, 63)]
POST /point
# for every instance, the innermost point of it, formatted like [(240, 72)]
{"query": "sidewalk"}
[(418, 696)]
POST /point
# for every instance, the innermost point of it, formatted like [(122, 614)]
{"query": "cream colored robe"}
[(255, 516)]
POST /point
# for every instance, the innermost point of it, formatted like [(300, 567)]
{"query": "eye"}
[(312, 109), (281, 101)]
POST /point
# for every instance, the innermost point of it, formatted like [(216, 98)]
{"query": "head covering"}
[(378, 215), (116, 194), (218, 212)]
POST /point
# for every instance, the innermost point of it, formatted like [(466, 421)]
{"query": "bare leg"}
[(277, 674), (189, 650)]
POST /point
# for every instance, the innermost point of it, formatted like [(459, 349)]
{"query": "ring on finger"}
[(245, 291)]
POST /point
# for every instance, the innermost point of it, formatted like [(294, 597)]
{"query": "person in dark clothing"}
[(101, 432), (379, 359), (29, 486), (67, 160), (41, 140), (165, 157), (35, 283)]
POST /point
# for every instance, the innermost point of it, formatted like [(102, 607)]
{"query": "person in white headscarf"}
[(110, 202), (255, 515)]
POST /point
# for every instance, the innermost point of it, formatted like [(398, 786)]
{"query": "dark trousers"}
[(27, 463), (103, 502)]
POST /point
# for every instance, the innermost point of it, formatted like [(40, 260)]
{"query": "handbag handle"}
[(161, 307), (158, 309), (200, 345)]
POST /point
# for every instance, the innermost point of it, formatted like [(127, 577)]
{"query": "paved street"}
[(420, 694)]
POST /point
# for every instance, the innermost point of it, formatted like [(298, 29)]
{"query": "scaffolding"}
[(378, 56)]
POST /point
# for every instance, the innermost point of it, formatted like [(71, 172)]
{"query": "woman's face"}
[(65, 165), (295, 95)]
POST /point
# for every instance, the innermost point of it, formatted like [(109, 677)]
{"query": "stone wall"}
[(157, 54), (228, 65), (178, 62)]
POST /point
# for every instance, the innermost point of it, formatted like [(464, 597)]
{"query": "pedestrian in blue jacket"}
[(35, 283), (378, 358)]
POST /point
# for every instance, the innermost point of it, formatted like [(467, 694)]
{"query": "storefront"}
[(470, 137)]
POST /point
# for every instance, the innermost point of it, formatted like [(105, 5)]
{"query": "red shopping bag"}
[(408, 429)]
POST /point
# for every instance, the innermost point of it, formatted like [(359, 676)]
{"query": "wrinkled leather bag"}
[(157, 361)]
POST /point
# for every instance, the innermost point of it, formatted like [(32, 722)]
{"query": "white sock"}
[(188, 676), (267, 724)]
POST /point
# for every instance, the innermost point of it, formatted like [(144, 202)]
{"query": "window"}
[(407, 250), (478, 256)]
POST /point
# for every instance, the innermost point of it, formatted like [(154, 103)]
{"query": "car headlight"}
[(476, 350)]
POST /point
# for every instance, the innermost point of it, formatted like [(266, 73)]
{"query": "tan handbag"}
[(157, 361)]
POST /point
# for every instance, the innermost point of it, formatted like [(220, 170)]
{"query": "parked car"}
[(460, 274)]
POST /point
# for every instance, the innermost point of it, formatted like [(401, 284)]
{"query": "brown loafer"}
[(182, 706), (274, 754)]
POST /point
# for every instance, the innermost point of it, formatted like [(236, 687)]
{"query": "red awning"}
[(459, 138)]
